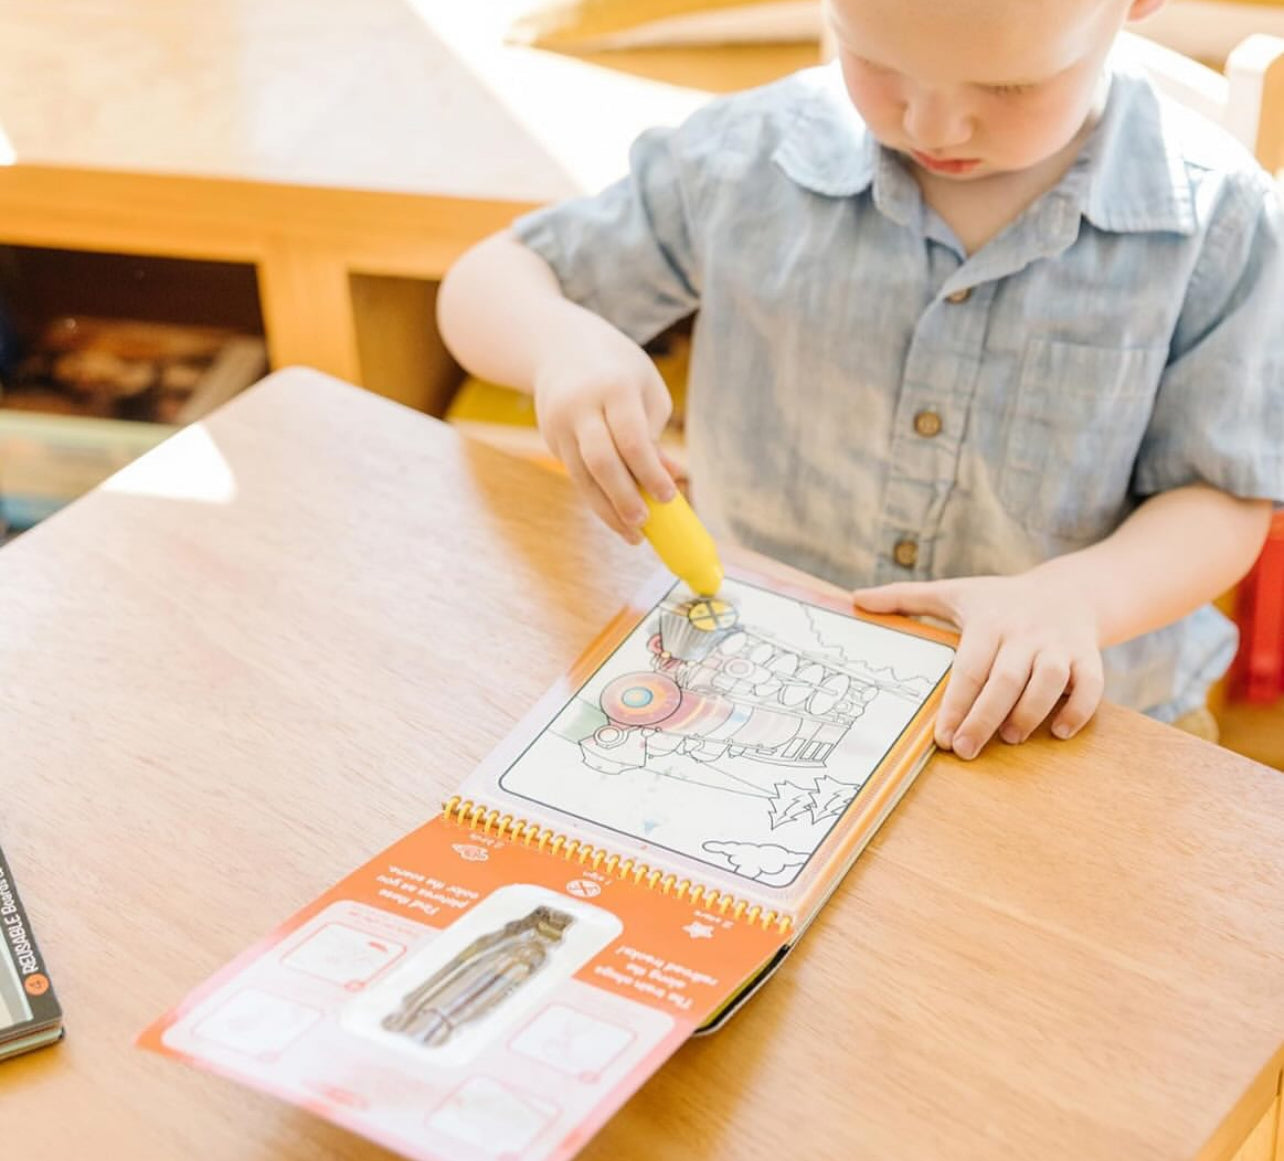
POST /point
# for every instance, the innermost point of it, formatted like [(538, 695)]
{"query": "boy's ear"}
[(1140, 9)]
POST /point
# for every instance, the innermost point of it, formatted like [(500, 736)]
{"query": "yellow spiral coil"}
[(477, 816)]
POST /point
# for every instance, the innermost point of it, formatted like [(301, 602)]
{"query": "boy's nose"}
[(934, 124)]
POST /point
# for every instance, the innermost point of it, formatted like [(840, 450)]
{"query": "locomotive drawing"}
[(717, 688)]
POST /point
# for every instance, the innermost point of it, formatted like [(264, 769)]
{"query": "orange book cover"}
[(625, 867)]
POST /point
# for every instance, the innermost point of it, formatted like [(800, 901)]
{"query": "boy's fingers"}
[(570, 456), (1007, 681), (1048, 681), (922, 597), (972, 663), (671, 465), (602, 460), (657, 404), (632, 437), (1087, 685)]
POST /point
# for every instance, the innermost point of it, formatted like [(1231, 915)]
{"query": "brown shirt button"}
[(959, 295), (905, 553), (927, 424)]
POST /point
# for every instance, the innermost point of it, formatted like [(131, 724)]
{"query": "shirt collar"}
[(1130, 177), (827, 149), (1137, 179)]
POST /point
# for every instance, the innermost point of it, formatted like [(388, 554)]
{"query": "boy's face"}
[(972, 88)]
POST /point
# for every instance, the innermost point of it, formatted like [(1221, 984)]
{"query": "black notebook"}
[(29, 1013)]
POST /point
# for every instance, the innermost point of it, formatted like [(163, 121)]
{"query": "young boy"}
[(983, 322)]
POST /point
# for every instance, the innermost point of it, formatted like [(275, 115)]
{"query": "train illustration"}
[(717, 688)]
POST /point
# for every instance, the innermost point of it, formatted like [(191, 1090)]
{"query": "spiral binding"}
[(478, 816)]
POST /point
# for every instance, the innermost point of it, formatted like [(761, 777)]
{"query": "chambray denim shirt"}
[(870, 403)]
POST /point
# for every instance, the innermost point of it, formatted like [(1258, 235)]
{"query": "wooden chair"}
[(1247, 100)]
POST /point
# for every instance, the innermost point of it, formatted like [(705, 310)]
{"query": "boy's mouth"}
[(940, 165)]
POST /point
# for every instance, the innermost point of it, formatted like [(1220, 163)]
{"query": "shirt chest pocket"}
[(1072, 433)]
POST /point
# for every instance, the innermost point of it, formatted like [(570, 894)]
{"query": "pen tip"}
[(707, 582)]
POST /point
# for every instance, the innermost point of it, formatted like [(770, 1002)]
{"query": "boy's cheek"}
[(875, 97), (1040, 125), (1025, 141)]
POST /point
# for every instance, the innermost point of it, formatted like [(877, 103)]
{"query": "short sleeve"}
[(627, 253), (1219, 412)]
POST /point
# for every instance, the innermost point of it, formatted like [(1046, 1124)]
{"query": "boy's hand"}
[(1025, 642), (601, 412)]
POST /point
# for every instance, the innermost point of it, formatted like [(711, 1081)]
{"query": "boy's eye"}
[(1008, 90)]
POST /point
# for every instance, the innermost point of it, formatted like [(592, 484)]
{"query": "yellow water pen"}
[(683, 544)]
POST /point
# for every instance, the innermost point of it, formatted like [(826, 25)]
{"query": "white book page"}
[(733, 733)]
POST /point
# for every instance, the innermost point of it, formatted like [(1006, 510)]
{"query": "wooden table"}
[(269, 648), (349, 150)]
